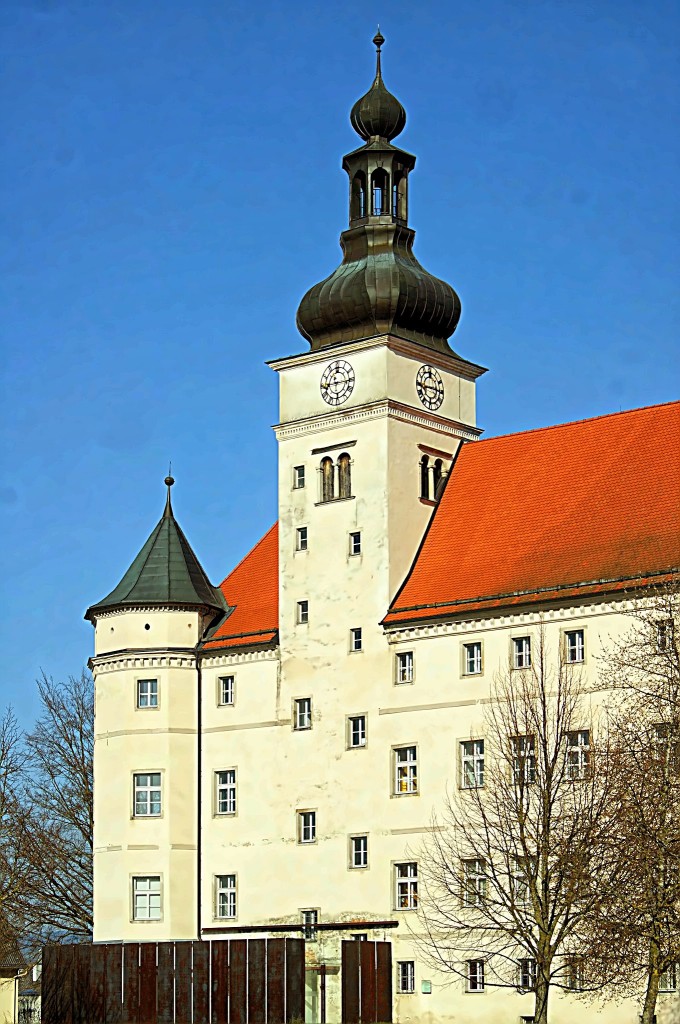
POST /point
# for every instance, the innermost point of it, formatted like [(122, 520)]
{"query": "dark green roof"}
[(165, 572)]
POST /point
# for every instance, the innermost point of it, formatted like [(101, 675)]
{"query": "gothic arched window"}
[(358, 196), (424, 477), (380, 185), (327, 479), (345, 474)]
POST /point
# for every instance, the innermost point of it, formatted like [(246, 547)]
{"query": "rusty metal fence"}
[(366, 982), (226, 981)]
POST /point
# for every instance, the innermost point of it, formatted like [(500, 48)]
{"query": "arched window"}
[(358, 197), (436, 477), (380, 185), (399, 196), (424, 477), (345, 474), (327, 480)]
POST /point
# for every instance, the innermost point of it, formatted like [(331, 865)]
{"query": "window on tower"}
[(336, 477), (358, 199), (425, 477), (345, 476), (327, 479), (380, 184)]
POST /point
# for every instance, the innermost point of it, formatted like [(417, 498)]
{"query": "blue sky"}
[(172, 186)]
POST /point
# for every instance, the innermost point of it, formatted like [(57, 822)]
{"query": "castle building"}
[(269, 751)]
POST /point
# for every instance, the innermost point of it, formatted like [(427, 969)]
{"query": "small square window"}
[(474, 976), (355, 639), (355, 543), (406, 976), (306, 821), (146, 898), (301, 538), (147, 693), (225, 896), (310, 919), (226, 689), (303, 612), (147, 794), (359, 936), (574, 646), (359, 851), (303, 713), (225, 791), (406, 885), (356, 731), (405, 770), (521, 652), (472, 658), (298, 476), (404, 664)]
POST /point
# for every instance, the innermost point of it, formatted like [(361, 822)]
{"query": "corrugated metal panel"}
[(201, 954), (131, 983), (295, 979), (147, 983), (276, 981), (183, 1000), (350, 981), (220, 981), (83, 1009), (98, 983), (384, 982), (238, 1005), (114, 983), (257, 982), (165, 983)]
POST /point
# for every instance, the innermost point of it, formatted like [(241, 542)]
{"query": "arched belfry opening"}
[(358, 196), (380, 190)]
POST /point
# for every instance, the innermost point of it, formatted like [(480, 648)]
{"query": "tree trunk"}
[(649, 1005), (541, 1008)]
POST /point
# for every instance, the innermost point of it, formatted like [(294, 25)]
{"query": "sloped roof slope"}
[(252, 592), (585, 507)]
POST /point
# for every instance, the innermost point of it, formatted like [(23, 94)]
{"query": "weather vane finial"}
[(378, 40)]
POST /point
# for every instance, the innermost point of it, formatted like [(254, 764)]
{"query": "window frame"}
[(356, 637), (410, 764), (355, 543), (524, 772), (151, 892), (406, 886), (577, 769), (230, 789), (467, 649), (302, 714), (301, 538), (527, 973), (302, 613), (475, 981), (404, 668), (521, 652), (406, 979), (301, 825), (230, 891), (139, 681), (475, 882), (580, 647), (353, 849), (149, 788), (298, 477), (350, 730), (473, 758), (221, 680), (309, 927)]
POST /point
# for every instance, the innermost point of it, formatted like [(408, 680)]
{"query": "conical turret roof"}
[(165, 572)]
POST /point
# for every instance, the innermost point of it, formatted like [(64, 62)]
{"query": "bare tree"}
[(508, 870), (14, 829), (54, 900), (636, 937)]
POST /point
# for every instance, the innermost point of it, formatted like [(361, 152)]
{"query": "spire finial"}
[(378, 40), (169, 481)]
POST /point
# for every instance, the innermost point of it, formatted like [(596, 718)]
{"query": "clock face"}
[(430, 387), (337, 382)]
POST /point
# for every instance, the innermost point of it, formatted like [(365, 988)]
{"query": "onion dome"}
[(378, 114), (166, 572), (380, 287)]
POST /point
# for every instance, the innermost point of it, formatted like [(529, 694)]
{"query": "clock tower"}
[(372, 417)]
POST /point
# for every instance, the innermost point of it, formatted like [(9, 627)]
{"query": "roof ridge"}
[(572, 423), (249, 553)]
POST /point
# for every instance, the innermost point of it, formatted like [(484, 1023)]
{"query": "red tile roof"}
[(252, 590), (582, 508)]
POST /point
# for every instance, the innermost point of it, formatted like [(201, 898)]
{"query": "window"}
[(306, 826), (668, 982), (574, 647), (356, 726), (524, 869), (472, 658), (664, 635), (404, 667), (406, 976), (474, 882), (425, 477), (359, 195), (359, 936), (226, 689), (575, 975), (521, 652), (146, 898), (327, 479), (355, 543), (436, 478), (474, 976), (225, 783), (147, 787), (310, 919), (405, 770), (359, 851), (524, 759), (147, 693), (472, 764), (303, 713), (406, 886), (303, 612), (380, 192), (345, 475), (355, 639), (225, 896), (526, 975), (298, 476), (301, 538), (578, 754)]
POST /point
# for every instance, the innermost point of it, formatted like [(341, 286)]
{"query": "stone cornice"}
[(116, 661), (220, 659), (376, 410)]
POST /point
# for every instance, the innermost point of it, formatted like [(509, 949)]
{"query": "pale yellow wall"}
[(8, 1000)]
